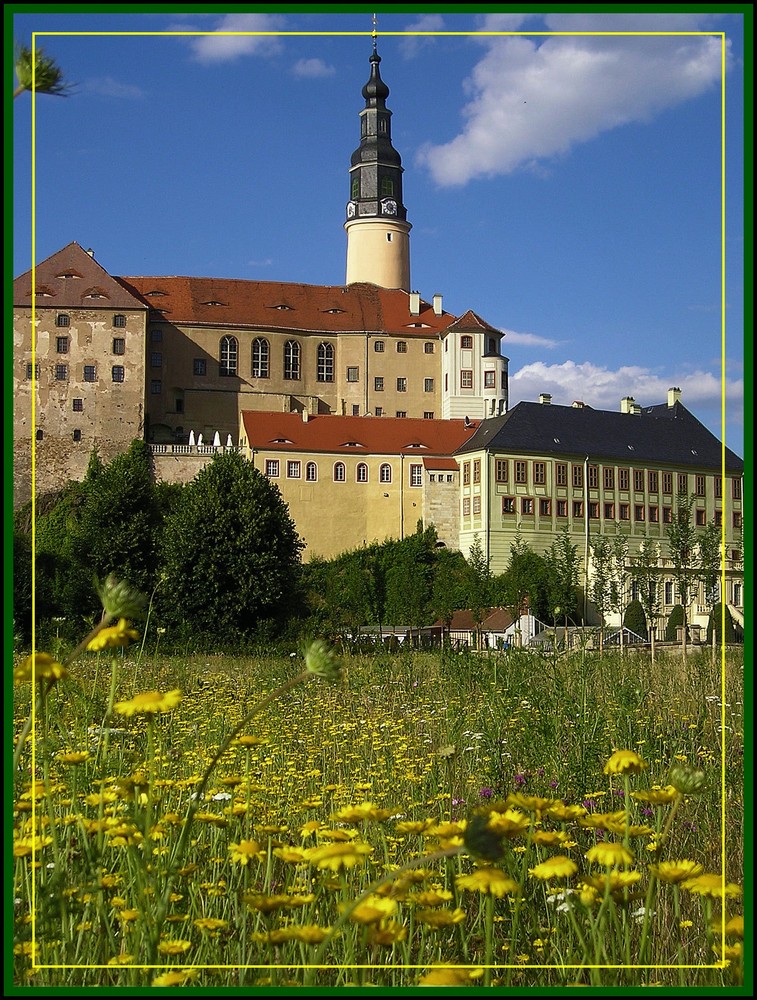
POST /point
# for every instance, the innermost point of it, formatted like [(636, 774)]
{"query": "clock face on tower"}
[(389, 206), (350, 209)]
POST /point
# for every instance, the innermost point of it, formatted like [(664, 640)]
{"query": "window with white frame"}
[(385, 473), (228, 356), (362, 472), (416, 475), (294, 469), (340, 474), (325, 370), (311, 472), (292, 353), (261, 353), (272, 467)]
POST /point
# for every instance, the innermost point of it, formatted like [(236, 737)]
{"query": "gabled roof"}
[(288, 432), (72, 279), (471, 321), (288, 306), (664, 435)]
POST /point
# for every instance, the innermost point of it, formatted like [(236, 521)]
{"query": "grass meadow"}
[(428, 818)]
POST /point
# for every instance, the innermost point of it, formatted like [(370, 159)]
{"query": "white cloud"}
[(222, 48), (107, 86), (410, 46), (260, 263), (312, 68), (528, 339), (603, 388), (532, 99)]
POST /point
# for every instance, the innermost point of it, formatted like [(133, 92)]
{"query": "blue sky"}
[(567, 188)]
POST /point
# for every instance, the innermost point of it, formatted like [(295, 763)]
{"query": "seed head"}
[(120, 599)]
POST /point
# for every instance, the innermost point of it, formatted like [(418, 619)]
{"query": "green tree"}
[(38, 71), (563, 568), (409, 578), (602, 589), (524, 583), (479, 585), (646, 573), (676, 619), (635, 619), (715, 633), (22, 586), (682, 543), (230, 553), (619, 586), (449, 587)]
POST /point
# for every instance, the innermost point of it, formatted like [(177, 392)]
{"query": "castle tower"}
[(378, 244)]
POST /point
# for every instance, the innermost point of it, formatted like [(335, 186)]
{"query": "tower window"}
[(388, 237), (355, 187), (466, 342), (387, 187)]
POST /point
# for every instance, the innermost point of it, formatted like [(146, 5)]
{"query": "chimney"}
[(91, 252), (674, 396), (415, 303), (636, 408), (545, 398), (577, 404), (305, 416), (626, 404), (437, 300)]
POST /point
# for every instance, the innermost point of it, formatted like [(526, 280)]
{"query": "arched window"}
[(385, 473), (228, 356), (260, 354), (311, 472), (362, 472), (292, 359), (339, 472), (325, 362)]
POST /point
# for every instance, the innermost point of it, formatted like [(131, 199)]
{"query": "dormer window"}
[(214, 302), (334, 311), (154, 293), (68, 274), (353, 444), (282, 307)]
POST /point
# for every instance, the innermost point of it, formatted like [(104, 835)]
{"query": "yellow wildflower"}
[(174, 947), (211, 924), (531, 803), (74, 756), (113, 637), (487, 880), (710, 884), (387, 933), (440, 918), (625, 762), (243, 852), (609, 854), (676, 871), (373, 909), (510, 823), (149, 702), (656, 796), (336, 856), (365, 811), (309, 933), (559, 866), (445, 975), (42, 665)]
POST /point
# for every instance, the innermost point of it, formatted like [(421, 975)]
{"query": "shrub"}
[(635, 619), (674, 622), (715, 621)]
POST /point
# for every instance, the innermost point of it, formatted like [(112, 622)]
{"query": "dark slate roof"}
[(68, 279), (660, 435)]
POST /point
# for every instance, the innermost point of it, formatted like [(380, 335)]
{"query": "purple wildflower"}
[(486, 793)]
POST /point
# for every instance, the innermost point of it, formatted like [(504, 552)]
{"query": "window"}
[(156, 359), (490, 380), (77, 435), (718, 518), (477, 505), (540, 473), (545, 508), (119, 320), (508, 505), (119, 345), (311, 472), (521, 472), (683, 482), (428, 385), (400, 414), (385, 473), (653, 482), (294, 469), (718, 484), (272, 467), (624, 511), (737, 519), (117, 373), (654, 514), (561, 473), (355, 409), (668, 591), (379, 411), (667, 482), (179, 404), (593, 477), (578, 508), (466, 506), (156, 387), (77, 405), (378, 346), (199, 367), (667, 515), (229, 351), (292, 360), (325, 370), (428, 347), (466, 473), (526, 505), (353, 374), (737, 594), (61, 345), (736, 489), (562, 508), (261, 353), (401, 385), (578, 476), (355, 187), (401, 347), (40, 434), (700, 517), (32, 372), (638, 512), (416, 475), (466, 342), (339, 472), (623, 479), (608, 478), (594, 510), (466, 379), (61, 373), (638, 480), (62, 319), (428, 414), (477, 471), (156, 335), (501, 469), (90, 373), (362, 472), (378, 383), (609, 512)]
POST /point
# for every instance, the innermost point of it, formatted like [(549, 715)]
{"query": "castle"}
[(371, 407)]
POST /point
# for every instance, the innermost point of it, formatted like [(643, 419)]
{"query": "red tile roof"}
[(268, 431), (84, 277), (441, 464), (472, 321), (276, 305)]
